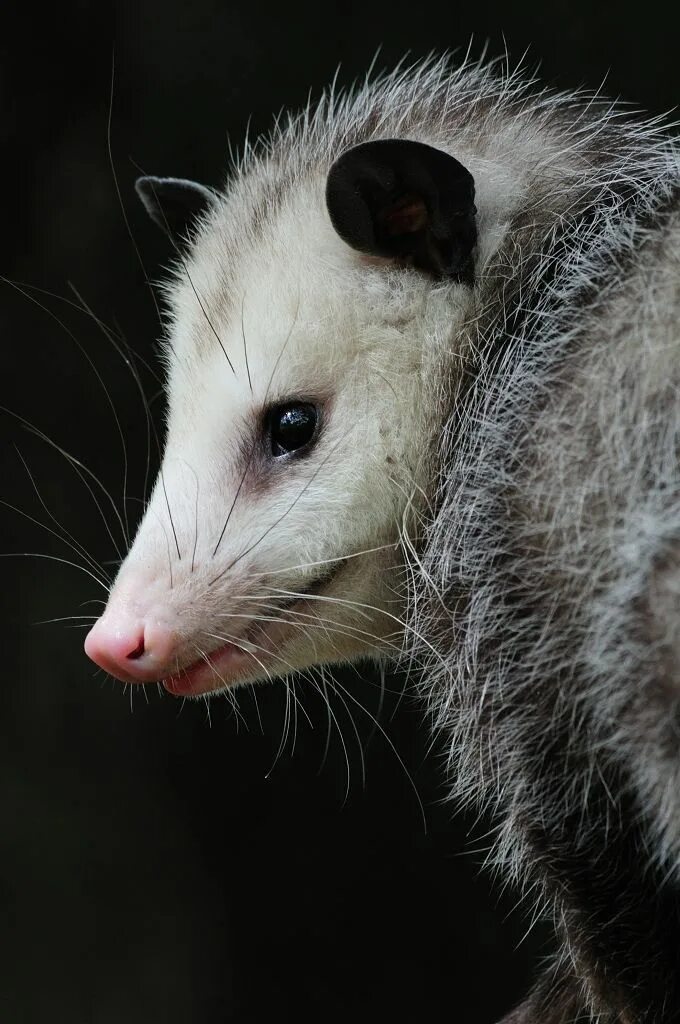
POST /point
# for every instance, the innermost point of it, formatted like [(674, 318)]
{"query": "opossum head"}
[(310, 326)]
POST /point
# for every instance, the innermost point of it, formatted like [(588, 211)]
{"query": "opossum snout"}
[(130, 649)]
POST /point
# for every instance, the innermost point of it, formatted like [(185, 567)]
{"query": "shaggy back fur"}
[(548, 588)]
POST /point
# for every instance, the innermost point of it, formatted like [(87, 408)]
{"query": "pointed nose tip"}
[(132, 651)]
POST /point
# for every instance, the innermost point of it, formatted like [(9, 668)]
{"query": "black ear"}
[(173, 203), (407, 201)]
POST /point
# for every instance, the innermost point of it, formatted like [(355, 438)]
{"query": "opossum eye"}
[(291, 427)]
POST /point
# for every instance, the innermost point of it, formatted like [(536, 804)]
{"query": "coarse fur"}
[(551, 570), (494, 496)]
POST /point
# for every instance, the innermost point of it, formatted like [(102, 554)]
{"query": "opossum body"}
[(423, 404)]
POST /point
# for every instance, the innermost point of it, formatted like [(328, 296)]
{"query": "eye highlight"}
[(291, 427)]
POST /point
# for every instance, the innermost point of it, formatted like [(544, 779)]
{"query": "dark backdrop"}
[(159, 863)]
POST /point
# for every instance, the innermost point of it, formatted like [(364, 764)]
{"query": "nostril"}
[(137, 652), (132, 649)]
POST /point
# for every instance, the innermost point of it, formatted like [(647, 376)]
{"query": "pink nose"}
[(131, 650)]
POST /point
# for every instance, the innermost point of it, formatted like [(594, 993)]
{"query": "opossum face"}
[(304, 360)]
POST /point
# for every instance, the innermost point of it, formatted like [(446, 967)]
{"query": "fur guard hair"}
[(548, 587)]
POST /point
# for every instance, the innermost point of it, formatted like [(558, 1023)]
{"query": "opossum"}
[(422, 379)]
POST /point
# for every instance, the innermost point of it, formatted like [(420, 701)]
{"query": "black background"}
[(160, 864)]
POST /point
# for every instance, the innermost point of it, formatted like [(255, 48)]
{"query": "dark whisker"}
[(180, 256), (203, 309), (245, 347), (104, 580), (97, 374), (235, 498), (253, 446), (193, 553), (167, 542), (120, 197), (129, 363), (51, 558), (103, 326), (80, 468), (167, 505), (283, 514), (68, 537)]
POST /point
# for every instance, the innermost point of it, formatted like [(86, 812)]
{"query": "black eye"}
[(291, 427)]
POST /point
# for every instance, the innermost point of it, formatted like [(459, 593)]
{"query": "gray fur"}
[(548, 585)]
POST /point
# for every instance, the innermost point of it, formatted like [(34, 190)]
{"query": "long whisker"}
[(381, 702), (283, 349), (253, 694), (180, 256), (100, 379), (202, 654), (358, 605), (348, 629), (103, 326), (126, 356), (324, 561), (324, 694), (193, 553), (52, 558), (120, 197), (101, 578), (330, 625), (245, 645), (65, 618), (69, 539), (337, 685), (207, 710), (358, 737), (77, 466), (167, 542), (361, 604), (328, 631), (323, 689), (83, 471), (161, 476), (253, 446), (245, 347), (284, 731), (236, 496), (291, 682), (290, 689), (202, 307), (283, 515)]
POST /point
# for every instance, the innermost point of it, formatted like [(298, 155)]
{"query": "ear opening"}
[(406, 201), (174, 203)]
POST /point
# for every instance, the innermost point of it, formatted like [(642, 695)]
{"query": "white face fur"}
[(235, 529)]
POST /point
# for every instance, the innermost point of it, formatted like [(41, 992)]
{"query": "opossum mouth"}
[(256, 648)]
